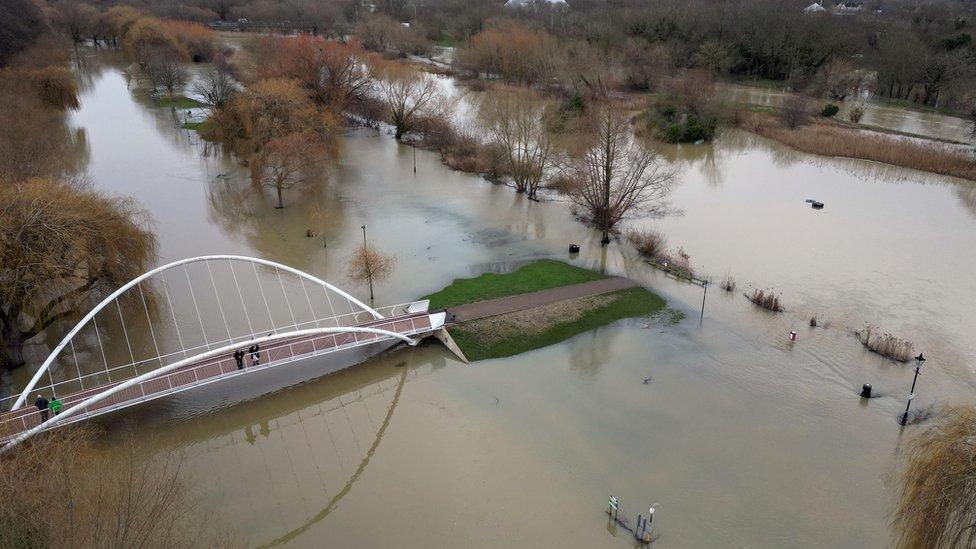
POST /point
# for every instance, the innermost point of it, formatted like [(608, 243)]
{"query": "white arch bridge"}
[(162, 334)]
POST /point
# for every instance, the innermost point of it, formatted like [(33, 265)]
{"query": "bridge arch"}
[(122, 289)]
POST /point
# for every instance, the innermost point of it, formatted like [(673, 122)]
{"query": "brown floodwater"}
[(740, 437)]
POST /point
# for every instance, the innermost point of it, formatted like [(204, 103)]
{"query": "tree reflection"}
[(243, 210)]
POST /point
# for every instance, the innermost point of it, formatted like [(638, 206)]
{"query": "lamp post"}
[(369, 268), (911, 394)]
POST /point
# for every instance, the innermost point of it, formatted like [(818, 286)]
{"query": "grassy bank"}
[(178, 102), (834, 140), (538, 275), (195, 126), (515, 333)]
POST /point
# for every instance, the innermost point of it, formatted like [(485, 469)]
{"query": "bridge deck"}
[(214, 369)]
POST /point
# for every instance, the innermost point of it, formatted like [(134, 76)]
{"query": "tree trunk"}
[(280, 203), (12, 350)]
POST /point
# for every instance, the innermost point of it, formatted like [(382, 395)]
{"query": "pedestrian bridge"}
[(178, 340)]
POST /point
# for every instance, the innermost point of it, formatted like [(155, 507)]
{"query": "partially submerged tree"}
[(795, 111), (164, 69), (517, 125), (412, 98), (368, 264), (216, 86), (936, 501), (615, 175), (289, 161), (62, 246), (266, 110)]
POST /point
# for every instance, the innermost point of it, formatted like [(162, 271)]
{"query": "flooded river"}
[(741, 438)]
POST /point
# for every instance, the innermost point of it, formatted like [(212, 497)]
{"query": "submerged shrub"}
[(728, 283), (766, 299), (886, 344), (649, 243), (856, 113)]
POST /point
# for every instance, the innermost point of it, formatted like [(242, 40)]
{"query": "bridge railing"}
[(116, 374), (276, 354)]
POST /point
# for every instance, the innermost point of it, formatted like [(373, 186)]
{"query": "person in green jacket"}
[(55, 406)]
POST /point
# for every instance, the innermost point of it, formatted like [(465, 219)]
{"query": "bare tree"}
[(411, 99), (615, 175), (288, 161), (75, 19), (164, 69), (61, 490), (62, 247), (795, 111), (368, 264), (837, 80), (936, 502), (216, 86), (517, 124)]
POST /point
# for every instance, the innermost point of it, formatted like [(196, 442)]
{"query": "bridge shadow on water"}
[(275, 464)]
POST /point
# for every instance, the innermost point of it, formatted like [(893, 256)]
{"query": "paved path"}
[(521, 302)]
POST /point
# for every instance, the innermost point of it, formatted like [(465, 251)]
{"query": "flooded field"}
[(739, 436)]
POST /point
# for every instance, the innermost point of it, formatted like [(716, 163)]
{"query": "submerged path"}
[(531, 300)]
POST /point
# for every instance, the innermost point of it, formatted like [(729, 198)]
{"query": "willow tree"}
[(61, 247), (616, 176)]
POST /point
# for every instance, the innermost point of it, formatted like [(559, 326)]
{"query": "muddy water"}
[(876, 113), (741, 438)]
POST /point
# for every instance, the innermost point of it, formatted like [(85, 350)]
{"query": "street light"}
[(911, 394)]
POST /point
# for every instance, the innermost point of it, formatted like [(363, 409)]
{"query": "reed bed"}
[(766, 299), (728, 283), (835, 140), (886, 344), (649, 244)]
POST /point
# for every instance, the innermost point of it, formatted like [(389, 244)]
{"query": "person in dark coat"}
[(255, 351), (42, 407), (239, 358)]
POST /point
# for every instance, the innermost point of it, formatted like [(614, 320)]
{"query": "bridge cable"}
[(264, 297), (230, 338), (310, 308), (195, 306), (101, 348), (125, 332), (239, 293), (287, 302), (77, 366), (152, 332), (172, 312), (331, 308)]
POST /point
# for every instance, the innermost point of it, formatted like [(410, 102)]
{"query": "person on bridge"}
[(55, 406), (255, 354), (239, 358), (42, 405)]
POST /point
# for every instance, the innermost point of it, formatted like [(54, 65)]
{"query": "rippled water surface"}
[(742, 438)]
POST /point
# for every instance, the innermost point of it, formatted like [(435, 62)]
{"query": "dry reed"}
[(648, 243), (835, 140), (886, 344), (936, 500), (766, 299), (728, 283)]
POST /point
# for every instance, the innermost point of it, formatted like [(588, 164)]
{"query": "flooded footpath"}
[(740, 437)]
